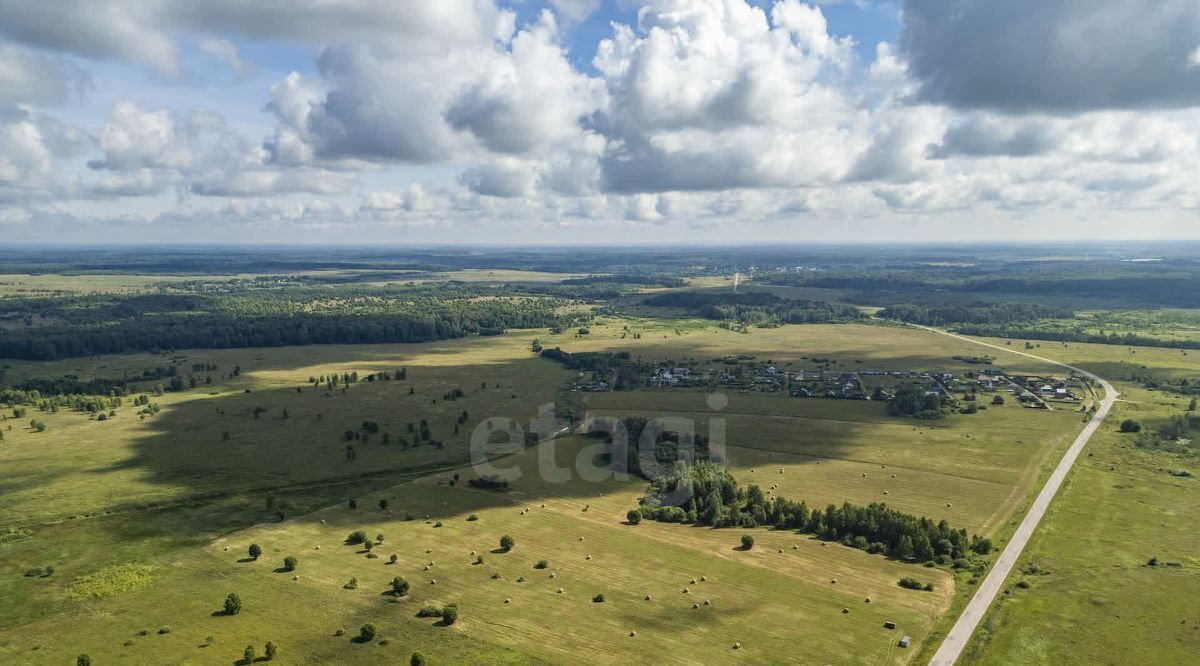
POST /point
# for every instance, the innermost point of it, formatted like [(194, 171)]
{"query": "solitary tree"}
[(747, 542), (383, 505), (450, 614), (634, 517), (272, 650), (255, 551), (233, 604), (248, 655), (84, 660), (507, 543), (418, 659), (367, 633), (289, 563), (399, 586)]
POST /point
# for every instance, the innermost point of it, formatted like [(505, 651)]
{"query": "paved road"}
[(952, 646)]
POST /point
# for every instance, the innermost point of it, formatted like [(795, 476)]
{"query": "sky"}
[(598, 121)]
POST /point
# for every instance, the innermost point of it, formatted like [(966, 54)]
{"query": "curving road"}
[(952, 646)]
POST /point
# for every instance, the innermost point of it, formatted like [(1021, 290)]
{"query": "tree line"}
[(706, 494)]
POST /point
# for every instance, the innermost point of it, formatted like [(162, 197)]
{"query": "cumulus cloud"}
[(1053, 55), (137, 139), (505, 177)]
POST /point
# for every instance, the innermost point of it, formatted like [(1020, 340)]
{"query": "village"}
[(745, 374)]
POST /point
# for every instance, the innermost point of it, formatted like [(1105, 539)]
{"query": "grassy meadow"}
[(147, 520), (1086, 592)]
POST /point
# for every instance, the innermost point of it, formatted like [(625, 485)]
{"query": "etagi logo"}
[(625, 448)]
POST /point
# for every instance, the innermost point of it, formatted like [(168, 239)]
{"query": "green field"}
[(136, 514), (1091, 596)]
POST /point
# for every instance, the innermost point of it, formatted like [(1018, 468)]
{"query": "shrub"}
[(473, 517), (255, 551), (634, 517), (351, 585), (982, 545), (353, 503), (233, 604), (356, 537), (383, 504), (417, 659), (83, 660), (914, 584), (599, 599), (163, 631), (450, 614), (272, 650), (393, 559), (1130, 425), (507, 543), (430, 611), (366, 633), (399, 586), (1023, 584), (541, 564), (248, 655), (747, 542), (290, 562)]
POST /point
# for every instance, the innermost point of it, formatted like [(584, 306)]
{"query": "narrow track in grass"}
[(960, 634)]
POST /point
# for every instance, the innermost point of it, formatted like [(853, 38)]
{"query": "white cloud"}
[(227, 52)]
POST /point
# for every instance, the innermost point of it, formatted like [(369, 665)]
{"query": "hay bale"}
[(581, 538), (433, 581), (633, 633), (295, 578), (647, 597), (707, 602), (588, 557), (686, 591), (867, 600), (703, 578), (795, 547), (693, 581), (560, 590), (833, 582), (507, 600), (845, 611), (553, 575), (737, 646)]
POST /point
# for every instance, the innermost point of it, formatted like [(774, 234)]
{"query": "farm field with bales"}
[(134, 512)]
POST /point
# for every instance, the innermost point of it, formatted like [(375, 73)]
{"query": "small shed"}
[(889, 625), (998, 400), (904, 642)]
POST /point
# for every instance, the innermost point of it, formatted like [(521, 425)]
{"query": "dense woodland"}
[(101, 324), (759, 308)]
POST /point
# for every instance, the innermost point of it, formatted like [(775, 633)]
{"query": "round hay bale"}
[(948, 505), (317, 548), (686, 591), (588, 557), (781, 470), (703, 578), (633, 633), (864, 475), (648, 597), (693, 581), (833, 582), (695, 606), (295, 578), (226, 549), (867, 600), (737, 646), (893, 476), (795, 547), (553, 575), (433, 581), (507, 600), (781, 550), (885, 492), (560, 590), (581, 538), (707, 602), (426, 568)]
